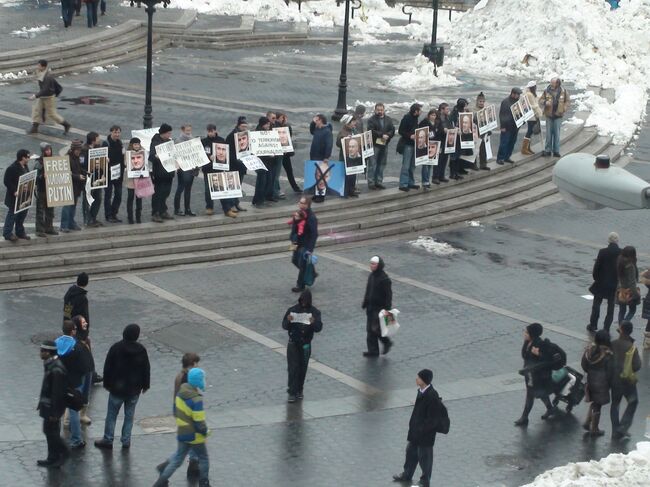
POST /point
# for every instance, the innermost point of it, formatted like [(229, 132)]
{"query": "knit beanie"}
[(426, 375), (164, 128), (196, 378), (535, 330)]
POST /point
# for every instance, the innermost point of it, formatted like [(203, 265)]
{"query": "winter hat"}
[(554, 76), (612, 237), (626, 327), (480, 96), (359, 111), (48, 345), (76, 144), (241, 120), (375, 259), (82, 279), (196, 378), (535, 330), (426, 375), (346, 119), (516, 91), (64, 344), (44, 146), (211, 126), (131, 332), (531, 84), (164, 128), (602, 338)]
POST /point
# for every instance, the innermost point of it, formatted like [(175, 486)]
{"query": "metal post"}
[(341, 105), (147, 120), (434, 28)]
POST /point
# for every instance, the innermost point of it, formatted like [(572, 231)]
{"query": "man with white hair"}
[(555, 102), (605, 283)]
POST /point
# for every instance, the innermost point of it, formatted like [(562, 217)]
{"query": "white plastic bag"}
[(388, 324)]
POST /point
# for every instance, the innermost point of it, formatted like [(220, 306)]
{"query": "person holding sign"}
[(78, 174), (352, 153), (185, 179), (218, 152), (133, 147), (480, 119), (113, 192), (383, 130), (44, 214), (13, 219), (533, 124), (406, 147), (301, 321), (162, 180), (431, 121), (509, 129), (379, 296), (95, 173), (264, 179), (286, 134)]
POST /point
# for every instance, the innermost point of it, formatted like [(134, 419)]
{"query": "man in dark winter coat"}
[(51, 405), (305, 243), (126, 376), (509, 129), (301, 321), (624, 387), (605, 283), (379, 295), (90, 212), (113, 192), (383, 130), (44, 213), (322, 141), (422, 431), (162, 180), (75, 301), (406, 147), (227, 204), (11, 178)]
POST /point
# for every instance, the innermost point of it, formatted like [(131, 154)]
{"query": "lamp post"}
[(147, 119), (433, 51), (341, 104)]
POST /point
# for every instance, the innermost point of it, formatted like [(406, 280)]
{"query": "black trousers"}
[(373, 331), (112, 198), (297, 363), (96, 205), (419, 454), (595, 312), (129, 206), (628, 391), (530, 399), (288, 168), (162, 189), (44, 215), (439, 170), (55, 446), (298, 259)]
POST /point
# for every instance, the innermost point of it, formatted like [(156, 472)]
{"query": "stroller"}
[(568, 387)]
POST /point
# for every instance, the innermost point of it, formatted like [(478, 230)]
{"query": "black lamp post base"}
[(435, 53)]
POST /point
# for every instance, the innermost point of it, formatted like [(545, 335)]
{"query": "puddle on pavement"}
[(508, 461), (87, 100)]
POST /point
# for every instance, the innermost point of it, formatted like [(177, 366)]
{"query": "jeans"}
[(622, 315), (114, 405), (261, 182), (112, 198), (55, 445), (553, 126), (530, 127), (377, 164), (75, 424), (67, 11), (297, 362), (176, 460), (419, 454), (439, 170), (44, 215), (595, 313), (507, 143), (67, 216), (373, 332), (129, 206), (14, 219), (426, 175), (91, 13), (162, 189), (619, 391), (185, 181), (406, 178), (86, 382)]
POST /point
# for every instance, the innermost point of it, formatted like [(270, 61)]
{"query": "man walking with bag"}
[(379, 295), (626, 364), (45, 99)]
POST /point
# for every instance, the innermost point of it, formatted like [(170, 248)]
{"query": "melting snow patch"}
[(433, 246), (421, 77), (102, 69), (29, 31), (19, 75), (474, 223)]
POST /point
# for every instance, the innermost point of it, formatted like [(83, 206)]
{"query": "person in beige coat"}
[(531, 96)]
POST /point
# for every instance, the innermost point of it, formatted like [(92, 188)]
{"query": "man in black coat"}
[(406, 147), (75, 301), (113, 192), (605, 283), (422, 431), (51, 405), (162, 180), (12, 175), (509, 129), (383, 130), (379, 295), (126, 376), (305, 243)]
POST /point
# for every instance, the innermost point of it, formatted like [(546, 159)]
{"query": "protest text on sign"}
[(58, 181)]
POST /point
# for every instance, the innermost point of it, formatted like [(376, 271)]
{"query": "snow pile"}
[(102, 69), (433, 246), (474, 223), (29, 31), (582, 40), (421, 77), (18, 75), (615, 470)]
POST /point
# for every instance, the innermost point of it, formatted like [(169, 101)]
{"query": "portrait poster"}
[(517, 113), (145, 136), (352, 154), (58, 181), (166, 153), (466, 126), (481, 121), (489, 119), (265, 143), (421, 146), (368, 148), (253, 163), (221, 157), (242, 144), (136, 164), (526, 109), (190, 154), (324, 178), (450, 141), (25, 191), (98, 167), (285, 139), (434, 152), (224, 185)]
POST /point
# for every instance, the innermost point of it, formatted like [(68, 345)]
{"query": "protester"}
[(91, 12), (482, 152), (51, 405), (456, 170), (162, 180), (537, 372), (431, 121), (406, 147), (555, 101), (509, 129), (605, 283), (383, 130), (378, 296), (422, 431), (90, 213), (44, 106), (301, 321), (134, 145), (11, 178), (305, 243), (444, 125), (321, 143), (113, 192), (275, 191), (358, 114), (283, 121), (44, 214), (228, 205), (627, 292), (598, 363), (531, 97), (88, 364), (264, 178), (185, 179), (348, 128), (78, 175), (126, 376), (236, 164), (626, 364), (67, 12), (192, 430)]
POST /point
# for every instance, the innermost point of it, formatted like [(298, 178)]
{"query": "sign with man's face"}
[(422, 146), (242, 145), (136, 164), (466, 122), (368, 146), (224, 185), (25, 192), (450, 141), (285, 139), (354, 163), (98, 167), (221, 157)]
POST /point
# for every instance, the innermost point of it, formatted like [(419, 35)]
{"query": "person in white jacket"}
[(531, 96)]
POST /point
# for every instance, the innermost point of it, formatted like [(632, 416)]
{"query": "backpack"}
[(443, 423), (73, 399), (57, 88), (628, 373), (558, 356)]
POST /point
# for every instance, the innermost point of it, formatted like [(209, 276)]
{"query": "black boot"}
[(138, 216), (193, 471)]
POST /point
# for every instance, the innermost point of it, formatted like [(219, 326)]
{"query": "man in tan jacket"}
[(555, 101), (44, 105)]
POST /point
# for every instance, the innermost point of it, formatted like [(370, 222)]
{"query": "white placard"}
[(166, 153), (25, 192), (353, 154), (285, 139), (220, 157), (450, 141), (421, 143), (98, 167), (253, 163), (190, 154), (224, 185), (89, 190), (145, 136), (466, 130), (434, 152), (265, 143), (488, 148), (303, 318), (58, 181), (116, 172), (487, 119), (368, 148), (136, 164), (242, 144)]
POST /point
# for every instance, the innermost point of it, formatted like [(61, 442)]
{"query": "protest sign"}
[(352, 154), (488, 148), (116, 172), (136, 164), (526, 109), (487, 119), (368, 149), (421, 146), (98, 167), (265, 143), (166, 153), (58, 181), (517, 114), (434, 152), (302, 318), (450, 141), (466, 127), (285, 139), (145, 136), (224, 185), (253, 163), (242, 144), (324, 178), (190, 154), (25, 191), (221, 157)]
